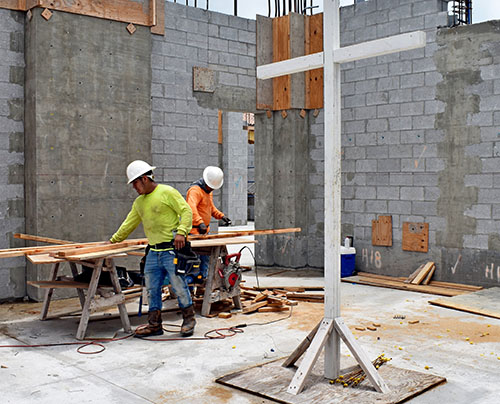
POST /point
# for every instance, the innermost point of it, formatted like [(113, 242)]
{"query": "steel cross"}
[(332, 328)]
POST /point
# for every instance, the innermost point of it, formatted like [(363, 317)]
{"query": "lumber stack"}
[(433, 287), (422, 275)]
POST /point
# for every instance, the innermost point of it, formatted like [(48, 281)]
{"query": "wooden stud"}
[(219, 127), (253, 307), (314, 44), (46, 14), (131, 28), (281, 51)]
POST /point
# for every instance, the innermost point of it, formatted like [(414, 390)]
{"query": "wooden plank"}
[(210, 282), (427, 279), (312, 353), (43, 259), (84, 319), (451, 285), (314, 44), (415, 236), (485, 302), (221, 242), (404, 286), (158, 27), (382, 231), (243, 233), (41, 239), (253, 307), (269, 380), (414, 274), (48, 293), (423, 273), (361, 357), (58, 284), (19, 5), (220, 137), (281, 51), (118, 10), (102, 254), (98, 248)]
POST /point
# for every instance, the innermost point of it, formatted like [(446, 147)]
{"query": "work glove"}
[(227, 221), (202, 227)]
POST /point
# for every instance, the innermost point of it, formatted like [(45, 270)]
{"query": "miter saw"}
[(230, 271)]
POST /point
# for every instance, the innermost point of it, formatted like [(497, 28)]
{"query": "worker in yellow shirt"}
[(166, 219), (200, 199)]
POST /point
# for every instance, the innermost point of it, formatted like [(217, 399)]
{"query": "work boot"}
[(187, 327), (152, 328)]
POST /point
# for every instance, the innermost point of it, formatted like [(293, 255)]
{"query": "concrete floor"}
[(138, 371)]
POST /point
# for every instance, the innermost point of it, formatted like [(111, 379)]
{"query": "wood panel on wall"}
[(314, 44), (281, 51), (415, 236), (382, 231)]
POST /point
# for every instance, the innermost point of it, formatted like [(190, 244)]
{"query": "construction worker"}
[(166, 219), (200, 199)]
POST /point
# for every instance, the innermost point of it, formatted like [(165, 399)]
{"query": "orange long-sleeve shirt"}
[(202, 205)]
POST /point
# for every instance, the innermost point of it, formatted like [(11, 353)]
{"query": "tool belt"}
[(162, 246), (186, 261)]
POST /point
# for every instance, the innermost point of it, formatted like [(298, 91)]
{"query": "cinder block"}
[(377, 125), (229, 79), (365, 113), (366, 86), (246, 36), (218, 18), (390, 165), (366, 165), (479, 211), (246, 81), (434, 164), (354, 205), (481, 150), (412, 80), (423, 122), (412, 108), (412, 193), (388, 29), (377, 98), (218, 44), (228, 33), (399, 151), (475, 241), (357, 100), (388, 83), (424, 208), (399, 13), (412, 24), (377, 152), (400, 124), (376, 207)]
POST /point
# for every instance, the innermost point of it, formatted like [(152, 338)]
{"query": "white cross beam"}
[(333, 328)]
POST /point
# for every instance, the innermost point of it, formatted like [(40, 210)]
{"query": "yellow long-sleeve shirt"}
[(161, 212)]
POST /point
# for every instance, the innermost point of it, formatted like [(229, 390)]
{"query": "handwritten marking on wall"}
[(491, 273), (419, 157), (371, 257)]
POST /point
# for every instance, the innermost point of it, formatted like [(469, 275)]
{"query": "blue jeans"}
[(158, 265), (205, 261)]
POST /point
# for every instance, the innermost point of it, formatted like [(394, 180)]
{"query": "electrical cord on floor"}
[(254, 263), (99, 342)]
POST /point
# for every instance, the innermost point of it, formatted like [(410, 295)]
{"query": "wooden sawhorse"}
[(88, 301)]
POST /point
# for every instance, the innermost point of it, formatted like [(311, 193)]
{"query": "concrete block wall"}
[(419, 140), (235, 166), (12, 270), (185, 122)]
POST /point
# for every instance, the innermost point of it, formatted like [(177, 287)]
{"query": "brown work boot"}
[(187, 327), (153, 327)]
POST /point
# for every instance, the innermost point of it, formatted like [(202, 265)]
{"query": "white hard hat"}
[(137, 168), (213, 177)]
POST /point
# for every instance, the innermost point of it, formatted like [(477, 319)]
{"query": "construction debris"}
[(357, 376)]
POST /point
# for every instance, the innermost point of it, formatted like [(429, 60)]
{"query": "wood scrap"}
[(414, 274), (428, 277), (371, 328), (225, 315), (423, 273), (261, 296), (253, 307), (48, 240)]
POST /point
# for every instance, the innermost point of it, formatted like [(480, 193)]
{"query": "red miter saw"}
[(230, 271)]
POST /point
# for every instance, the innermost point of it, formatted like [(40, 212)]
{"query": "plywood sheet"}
[(281, 51), (415, 236), (382, 231), (271, 381), (485, 302), (314, 44)]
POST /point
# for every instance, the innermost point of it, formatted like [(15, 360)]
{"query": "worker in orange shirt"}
[(199, 198)]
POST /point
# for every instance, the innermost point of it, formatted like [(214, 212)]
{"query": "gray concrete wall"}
[(12, 270), (88, 92), (185, 122), (235, 166)]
